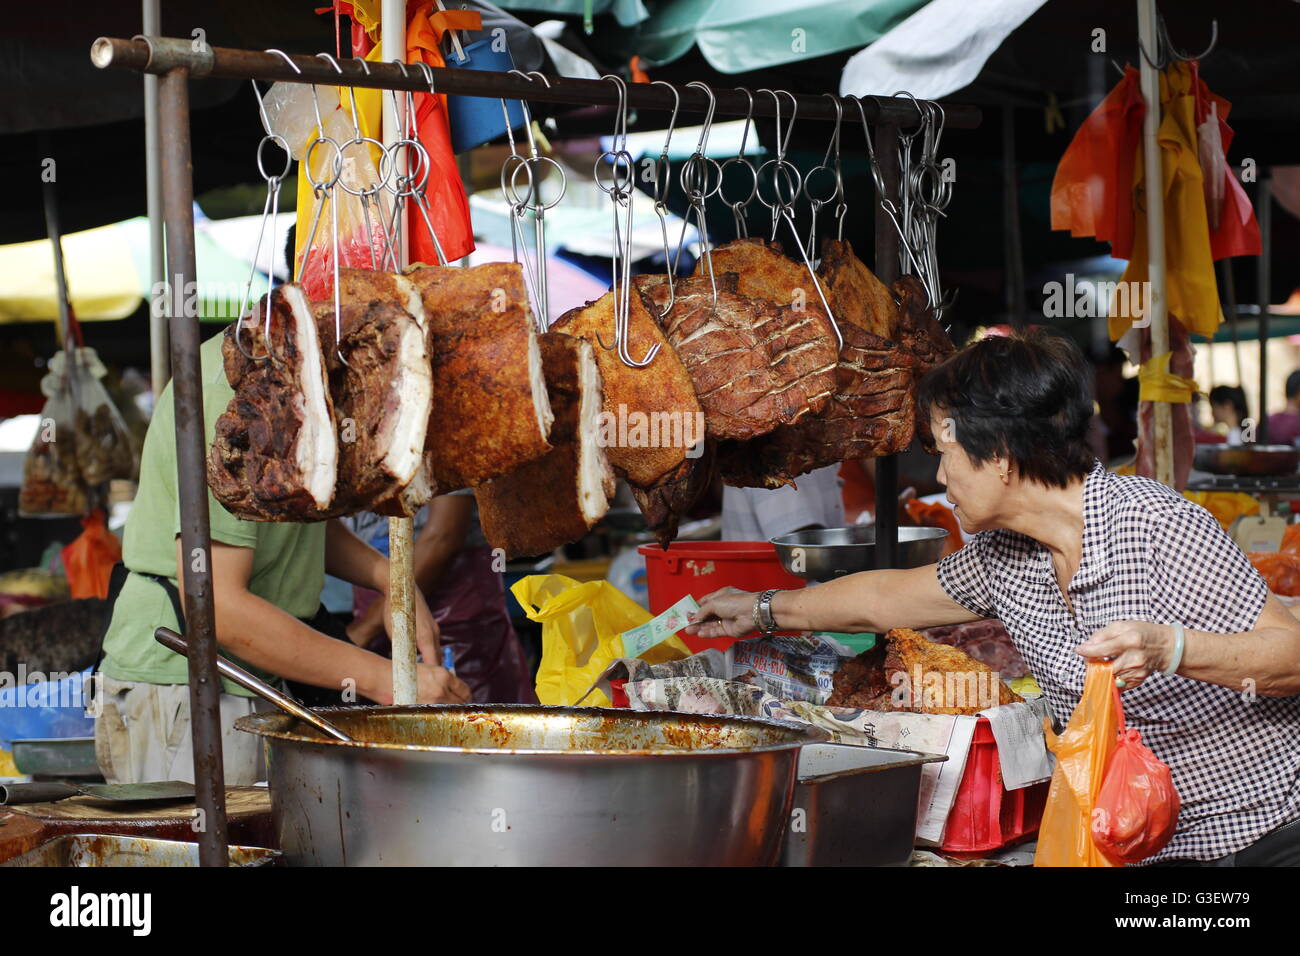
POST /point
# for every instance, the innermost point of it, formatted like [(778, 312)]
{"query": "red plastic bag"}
[(1136, 811), (1281, 572), (1092, 192), (1291, 539), (88, 561)]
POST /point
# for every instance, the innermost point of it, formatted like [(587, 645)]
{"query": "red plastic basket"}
[(699, 568), (985, 815)]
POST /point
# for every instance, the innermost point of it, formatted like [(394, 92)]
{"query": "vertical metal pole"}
[(887, 272), (160, 368), (1015, 272), (52, 229), (401, 531), (191, 483), (1228, 283), (1153, 190), (1265, 280)]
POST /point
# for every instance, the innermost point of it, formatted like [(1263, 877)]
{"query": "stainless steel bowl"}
[(530, 786), (823, 554)]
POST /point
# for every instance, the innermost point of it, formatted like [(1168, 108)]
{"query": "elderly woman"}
[(1081, 565)]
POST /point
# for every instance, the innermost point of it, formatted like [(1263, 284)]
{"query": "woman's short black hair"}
[(1026, 397), (1233, 395)]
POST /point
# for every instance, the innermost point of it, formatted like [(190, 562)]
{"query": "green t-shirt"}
[(288, 561)]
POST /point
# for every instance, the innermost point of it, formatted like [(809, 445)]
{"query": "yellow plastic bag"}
[(582, 624), (1082, 753)]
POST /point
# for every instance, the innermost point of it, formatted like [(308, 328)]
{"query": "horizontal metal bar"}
[(160, 54)]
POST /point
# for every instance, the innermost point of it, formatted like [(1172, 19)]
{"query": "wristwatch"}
[(764, 623)]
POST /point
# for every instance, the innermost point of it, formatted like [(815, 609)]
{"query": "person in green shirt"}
[(266, 580)]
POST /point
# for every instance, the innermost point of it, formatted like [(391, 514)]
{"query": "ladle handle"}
[(174, 642)]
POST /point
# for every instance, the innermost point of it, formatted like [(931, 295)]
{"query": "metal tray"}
[(56, 757), (854, 806), (107, 849)]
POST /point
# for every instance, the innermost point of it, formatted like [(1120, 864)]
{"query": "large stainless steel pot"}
[(520, 785), (823, 554)]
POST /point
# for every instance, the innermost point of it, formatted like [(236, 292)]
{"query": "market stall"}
[(901, 238)]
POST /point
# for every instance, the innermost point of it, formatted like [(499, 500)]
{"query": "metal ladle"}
[(174, 642)]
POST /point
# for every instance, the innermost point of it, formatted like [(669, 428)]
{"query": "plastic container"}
[(475, 120), (699, 568), (985, 816)]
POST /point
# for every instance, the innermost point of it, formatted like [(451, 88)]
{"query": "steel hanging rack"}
[(177, 60)]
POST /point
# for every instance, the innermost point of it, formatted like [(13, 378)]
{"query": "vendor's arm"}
[(350, 558), (874, 601), (270, 638), (441, 538), (1265, 660)]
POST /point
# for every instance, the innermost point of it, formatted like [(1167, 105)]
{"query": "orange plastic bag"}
[(1137, 808), (1291, 539), (937, 515), (1083, 753), (88, 560), (1281, 572)]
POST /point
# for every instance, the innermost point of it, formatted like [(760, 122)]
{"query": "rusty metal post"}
[(887, 272), (191, 482)]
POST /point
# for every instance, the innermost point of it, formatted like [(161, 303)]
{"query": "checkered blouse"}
[(1151, 555)]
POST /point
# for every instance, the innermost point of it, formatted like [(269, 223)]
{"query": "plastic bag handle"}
[(1119, 709)]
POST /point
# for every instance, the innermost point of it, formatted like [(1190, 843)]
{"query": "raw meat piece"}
[(855, 294), (490, 410), (754, 365), (274, 456), (660, 392), (555, 499)]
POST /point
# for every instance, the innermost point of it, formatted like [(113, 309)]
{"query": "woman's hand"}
[(366, 627), (725, 613), (1138, 649)]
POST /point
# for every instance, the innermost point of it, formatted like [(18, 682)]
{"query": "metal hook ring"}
[(615, 159), (338, 163), (383, 157), (534, 200), (742, 161), (694, 178), (787, 169), (278, 140), (749, 121)]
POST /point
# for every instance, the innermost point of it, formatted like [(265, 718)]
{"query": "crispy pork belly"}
[(660, 394), (921, 334), (855, 294), (755, 365), (664, 503), (274, 455), (490, 408), (381, 383), (557, 498), (763, 272), (871, 413)]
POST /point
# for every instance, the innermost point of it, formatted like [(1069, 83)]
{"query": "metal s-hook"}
[(817, 201), (621, 193), (694, 179), (738, 207), (663, 185)]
